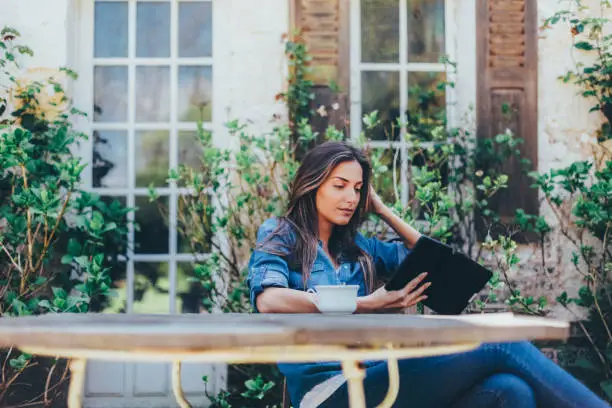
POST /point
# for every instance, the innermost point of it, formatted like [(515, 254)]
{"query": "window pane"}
[(425, 30), (110, 94), (109, 161), (195, 94), (153, 235), (195, 29), (189, 295), (117, 303), (381, 92), (116, 205), (152, 29), (426, 103), (380, 30), (190, 149), (151, 288), (152, 94), (194, 235), (384, 163), (152, 157), (111, 29), (426, 90)]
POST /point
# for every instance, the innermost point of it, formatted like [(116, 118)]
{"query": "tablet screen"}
[(454, 277)]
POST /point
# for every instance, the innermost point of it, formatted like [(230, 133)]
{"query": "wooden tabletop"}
[(125, 332)]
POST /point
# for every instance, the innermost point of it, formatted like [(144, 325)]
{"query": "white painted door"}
[(147, 73)]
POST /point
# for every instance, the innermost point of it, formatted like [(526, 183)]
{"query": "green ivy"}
[(589, 29), (58, 243)]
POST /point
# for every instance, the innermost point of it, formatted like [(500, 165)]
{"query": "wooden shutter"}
[(507, 90), (324, 26)]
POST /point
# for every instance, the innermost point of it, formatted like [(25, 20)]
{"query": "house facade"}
[(149, 70)]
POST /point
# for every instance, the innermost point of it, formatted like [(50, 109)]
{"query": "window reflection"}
[(189, 295), (386, 162), (190, 150), (195, 93), (151, 288), (380, 92), (425, 30), (426, 103), (153, 29), (109, 160), (152, 234), (380, 31), (111, 29), (153, 94), (195, 29), (152, 158), (110, 94)]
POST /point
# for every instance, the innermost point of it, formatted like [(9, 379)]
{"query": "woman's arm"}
[(283, 300), (401, 227)]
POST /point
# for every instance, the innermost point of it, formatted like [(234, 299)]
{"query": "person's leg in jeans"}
[(499, 391), (445, 380)]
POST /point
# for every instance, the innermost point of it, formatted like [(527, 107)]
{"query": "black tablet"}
[(455, 278)]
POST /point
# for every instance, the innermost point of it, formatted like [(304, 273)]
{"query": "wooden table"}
[(260, 338)]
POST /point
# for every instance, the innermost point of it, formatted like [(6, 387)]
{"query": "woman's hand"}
[(405, 231), (375, 204), (382, 300)]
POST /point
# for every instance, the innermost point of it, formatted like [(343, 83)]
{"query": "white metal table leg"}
[(176, 385), (354, 377), (77, 383), (393, 384)]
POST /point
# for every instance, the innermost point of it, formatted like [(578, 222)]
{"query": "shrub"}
[(58, 243)]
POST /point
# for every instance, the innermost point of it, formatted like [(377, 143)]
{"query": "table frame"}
[(349, 358)]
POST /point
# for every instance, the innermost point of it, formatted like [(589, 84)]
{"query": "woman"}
[(317, 243)]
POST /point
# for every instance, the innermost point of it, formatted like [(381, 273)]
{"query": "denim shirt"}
[(269, 270)]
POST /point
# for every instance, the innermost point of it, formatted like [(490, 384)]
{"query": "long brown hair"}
[(302, 216)]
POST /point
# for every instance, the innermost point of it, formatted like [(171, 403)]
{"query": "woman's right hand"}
[(385, 301)]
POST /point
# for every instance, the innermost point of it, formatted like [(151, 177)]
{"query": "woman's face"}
[(338, 197)]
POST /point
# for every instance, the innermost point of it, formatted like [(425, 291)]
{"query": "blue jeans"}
[(504, 375)]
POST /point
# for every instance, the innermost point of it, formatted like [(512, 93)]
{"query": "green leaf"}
[(11, 31), (45, 304), (585, 364), (71, 74), (24, 50), (74, 247), (606, 386), (583, 45), (542, 302), (20, 308), (20, 362), (251, 385), (82, 260), (609, 352), (41, 280), (59, 292)]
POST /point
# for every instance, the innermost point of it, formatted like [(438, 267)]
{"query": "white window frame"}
[(84, 96), (403, 67), (173, 126)]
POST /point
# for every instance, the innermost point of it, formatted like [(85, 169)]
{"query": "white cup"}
[(335, 299)]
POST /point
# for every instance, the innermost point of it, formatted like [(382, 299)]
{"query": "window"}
[(396, 52), (152, 75), (146, 77)]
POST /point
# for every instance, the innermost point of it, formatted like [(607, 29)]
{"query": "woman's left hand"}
[(375, 204)]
